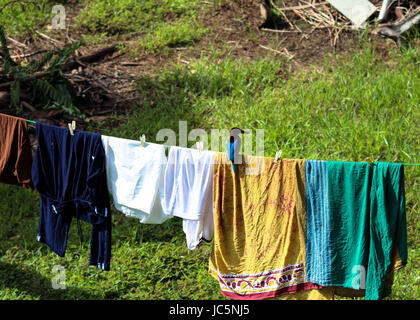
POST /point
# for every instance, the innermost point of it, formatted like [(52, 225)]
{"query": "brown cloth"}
[(15, 152)]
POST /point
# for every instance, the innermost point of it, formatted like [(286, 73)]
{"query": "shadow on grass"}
[(129, 229), (37, 286)]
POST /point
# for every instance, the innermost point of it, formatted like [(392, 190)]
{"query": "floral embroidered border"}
[(267, 284)]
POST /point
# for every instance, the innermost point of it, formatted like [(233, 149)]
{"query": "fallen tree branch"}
[(90, 57), (286, 53), (278, 31), (17, 42), (95, 83), (33, 77), (50, 39), (28, 106), (29, 54), (69, 65), (304, 6)]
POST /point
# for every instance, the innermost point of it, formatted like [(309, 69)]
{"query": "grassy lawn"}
[(158, 24), (20, 18), (352, 107)]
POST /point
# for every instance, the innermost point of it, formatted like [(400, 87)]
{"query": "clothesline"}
[(166, 146), (31, 121), (337, 199)]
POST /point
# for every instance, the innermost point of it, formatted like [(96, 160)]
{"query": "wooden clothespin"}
[(200, 146), (143, 140), (277, 156), (72, 127)]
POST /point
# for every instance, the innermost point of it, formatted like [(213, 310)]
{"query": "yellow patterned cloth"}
[(259, 228)]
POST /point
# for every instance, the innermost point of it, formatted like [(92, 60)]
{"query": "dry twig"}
[(301, 7), (318, 15), (286, 53)]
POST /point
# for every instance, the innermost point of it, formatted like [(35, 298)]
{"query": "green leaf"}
[(15, 95), (63, 55), (7, 60)]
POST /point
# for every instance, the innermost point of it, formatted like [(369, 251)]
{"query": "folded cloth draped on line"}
[(188, 190), (15, 152), (260, 228), (135, 178), (356, 225)]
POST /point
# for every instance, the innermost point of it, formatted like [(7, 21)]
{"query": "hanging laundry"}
[(15, 152), (135, 178), (339, 217), (259, 232), (388, 228), (69, 172), (188, 190)]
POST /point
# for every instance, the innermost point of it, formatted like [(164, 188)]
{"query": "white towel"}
[(188, 192), (135, 177)]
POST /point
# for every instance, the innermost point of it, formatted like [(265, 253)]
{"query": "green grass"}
[(360, 109), (159, 25), (131, 16), (149, 261), (407, 282), (22, 18), (181, 33), (354, 108)]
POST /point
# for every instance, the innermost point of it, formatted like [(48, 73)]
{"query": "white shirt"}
[(188, 192), (135, 177)]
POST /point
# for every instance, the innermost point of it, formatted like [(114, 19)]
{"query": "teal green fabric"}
[(356, 220), (348, 187), (388, 226)]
